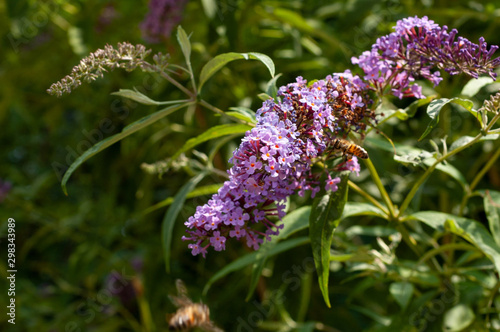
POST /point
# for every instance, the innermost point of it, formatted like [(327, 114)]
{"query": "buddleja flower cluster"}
[(126, 56), (414, 49), (274, 160)]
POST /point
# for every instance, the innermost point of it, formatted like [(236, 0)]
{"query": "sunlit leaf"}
[(491, 201), (325, 217), (467, 139), (474, 85), (210, 7), (242, 113), (361, 209), (167, 226), (458, 318), (183, 40), (410, 155), (470, 230), (128, 130), (221, 60)]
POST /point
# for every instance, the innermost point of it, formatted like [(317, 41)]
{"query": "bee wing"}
[(181, 300), (209, 326)]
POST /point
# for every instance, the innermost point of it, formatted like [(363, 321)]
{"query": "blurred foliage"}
[(92, 261)]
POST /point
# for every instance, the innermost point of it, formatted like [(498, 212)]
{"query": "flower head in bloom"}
[(416, 47), (274, 160)]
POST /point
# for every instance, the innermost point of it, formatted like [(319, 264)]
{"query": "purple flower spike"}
[(417, 46), (274, 160)]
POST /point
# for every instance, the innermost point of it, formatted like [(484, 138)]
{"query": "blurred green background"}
[(73, 251)]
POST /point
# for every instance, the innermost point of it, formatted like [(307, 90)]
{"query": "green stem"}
[(483, 171), (385, 196), (477, 178), (172, 80), (145, 313), (368, 197), (445, 247), (428, 172), (178, 85)]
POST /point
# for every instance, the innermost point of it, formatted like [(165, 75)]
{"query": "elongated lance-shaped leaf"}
[(221, 60), (253, 257), (325, 217), (492, 209), (167, 226), (213, 132), (141, 98), (128, 130), (183, 40), (200, 191)]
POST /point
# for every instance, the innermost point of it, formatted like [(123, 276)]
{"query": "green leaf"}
[(402, 292), (168, 222), (306, 327), (271, 88), (200, 191), (448, 169), (242, 113), (435, 107), (325, 217), (361, 209), (221, 60), (474, 85), (210, 8), (467, 139), (470, 230), (376, 316), (292, 223), (141, 98), (458, 318), (213, 132), (491, 200), (252, 257), (264, 96), (128, 130), (183, 40), (410, 155), (460, 142)]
